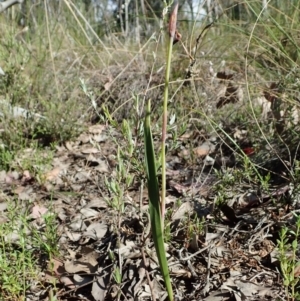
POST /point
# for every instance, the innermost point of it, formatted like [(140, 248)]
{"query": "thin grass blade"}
[(154, 205)]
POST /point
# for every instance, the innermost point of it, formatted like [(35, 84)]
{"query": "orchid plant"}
[(157, 199)]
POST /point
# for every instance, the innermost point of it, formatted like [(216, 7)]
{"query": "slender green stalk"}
[(164, 129), (172, 33)]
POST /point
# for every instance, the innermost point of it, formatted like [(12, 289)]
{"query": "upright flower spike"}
[(174, 34)]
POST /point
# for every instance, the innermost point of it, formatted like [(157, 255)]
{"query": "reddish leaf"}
[(248, 151)]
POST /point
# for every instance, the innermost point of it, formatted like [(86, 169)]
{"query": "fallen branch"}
[(6, 4)]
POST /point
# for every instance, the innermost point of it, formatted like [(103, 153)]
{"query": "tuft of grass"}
[(289, 263), (22, 246)]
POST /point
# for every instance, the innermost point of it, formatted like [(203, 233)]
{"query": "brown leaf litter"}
[(213, 254)]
